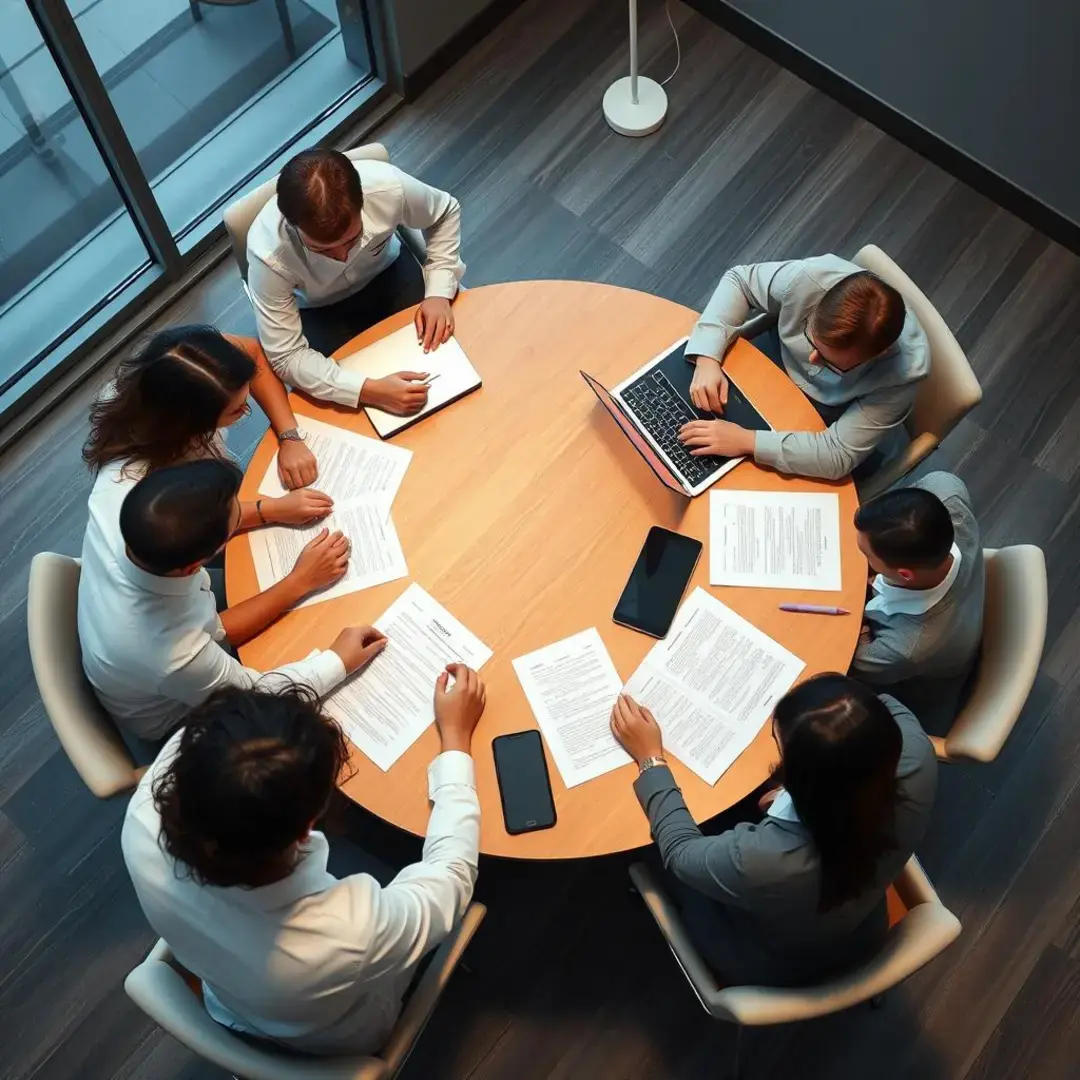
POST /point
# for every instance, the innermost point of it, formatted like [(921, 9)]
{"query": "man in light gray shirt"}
[(924, 620), (845, 339), (325, 262)]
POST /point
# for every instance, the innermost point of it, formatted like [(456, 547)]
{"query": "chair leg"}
[(736, 1063), (286, 27), (196, 11)]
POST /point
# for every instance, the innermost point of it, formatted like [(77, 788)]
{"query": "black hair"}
[(907, 528), (181, 515), (319, 192), (840, 746), (253, 770), (168, 398)]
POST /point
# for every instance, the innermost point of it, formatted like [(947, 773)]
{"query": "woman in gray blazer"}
[(800, 894)]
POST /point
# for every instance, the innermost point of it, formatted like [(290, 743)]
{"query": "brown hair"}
[(319, 193), (859, 312), (167, 399)]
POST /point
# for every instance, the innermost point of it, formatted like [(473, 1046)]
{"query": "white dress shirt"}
[(783, 807), (284, 275), (311, 960), (150, 645), (894, 600)]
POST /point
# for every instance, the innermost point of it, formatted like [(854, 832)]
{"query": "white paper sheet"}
[(770, 539), (386, 708), (375, 557), (711, 684), (351, 466), (571, 687), (400, 351)]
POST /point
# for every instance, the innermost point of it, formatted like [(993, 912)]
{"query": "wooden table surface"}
[(522, 512)]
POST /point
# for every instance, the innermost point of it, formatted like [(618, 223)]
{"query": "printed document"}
[(386, 707), (572, 687), (775, 540), (374, 558), (711, 684), (451, 374), (351, 466)]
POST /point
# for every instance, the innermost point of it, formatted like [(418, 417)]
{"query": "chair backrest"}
[(951, 390), (241, 215), (159, 988), (1014, 631), (86, 731), (922, 933)]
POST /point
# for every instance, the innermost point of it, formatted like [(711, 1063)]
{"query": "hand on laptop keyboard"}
[(719, 437), (709, 388)]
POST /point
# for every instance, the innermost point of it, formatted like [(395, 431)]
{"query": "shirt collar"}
[(783, 808), (155, 583), (893, 600)]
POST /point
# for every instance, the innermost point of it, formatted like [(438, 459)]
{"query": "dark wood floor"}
[(571, 979)]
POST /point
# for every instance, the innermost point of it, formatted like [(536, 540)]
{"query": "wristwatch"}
[(650, 763), (291, 435)]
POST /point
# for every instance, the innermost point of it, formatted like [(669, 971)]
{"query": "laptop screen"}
[(652, 459)]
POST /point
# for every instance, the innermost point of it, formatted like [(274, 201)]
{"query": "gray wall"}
[(424, 26)]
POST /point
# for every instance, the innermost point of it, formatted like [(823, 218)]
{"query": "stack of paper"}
[(451, 375), (362, 476), (386, 707), (777, 540), (712, 683)]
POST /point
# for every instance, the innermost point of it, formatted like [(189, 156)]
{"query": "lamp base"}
[(629, 119)]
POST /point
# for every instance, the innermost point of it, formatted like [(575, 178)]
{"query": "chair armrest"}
[(418, 1009)]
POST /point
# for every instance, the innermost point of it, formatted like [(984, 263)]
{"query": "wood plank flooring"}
[(570, 978)]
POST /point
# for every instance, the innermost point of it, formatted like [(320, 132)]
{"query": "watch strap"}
[(650, 763)]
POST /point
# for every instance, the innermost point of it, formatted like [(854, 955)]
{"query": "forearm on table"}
[(742, 290), (245, 620)]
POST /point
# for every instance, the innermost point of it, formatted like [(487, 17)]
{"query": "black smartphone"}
[(657, 582), (524, 784)]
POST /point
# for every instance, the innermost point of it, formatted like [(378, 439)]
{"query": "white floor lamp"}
[(635, 105)]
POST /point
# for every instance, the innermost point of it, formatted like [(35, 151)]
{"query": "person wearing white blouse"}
[(221, 843)]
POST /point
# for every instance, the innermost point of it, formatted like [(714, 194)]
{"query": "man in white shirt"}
[(153, 643), (221, 846), (924, 617), (325, 262)]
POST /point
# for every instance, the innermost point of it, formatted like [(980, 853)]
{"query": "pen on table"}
[(814, 609), (431, 378)]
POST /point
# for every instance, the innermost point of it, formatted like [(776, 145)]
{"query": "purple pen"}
[(814, 609)]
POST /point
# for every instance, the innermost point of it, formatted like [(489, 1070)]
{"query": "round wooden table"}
[(523, 511)]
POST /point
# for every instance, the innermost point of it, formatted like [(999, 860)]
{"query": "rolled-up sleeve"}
[(438, 215)]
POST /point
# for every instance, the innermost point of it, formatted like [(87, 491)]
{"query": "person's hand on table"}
[(719, 437), (358, 645), (296, 464), (636, 729), (403, 393), (709, 387), (459, 708), (434, 322), (298, 507), (322, 562)]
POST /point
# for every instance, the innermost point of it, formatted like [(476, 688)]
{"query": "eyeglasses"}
[(821, 357)]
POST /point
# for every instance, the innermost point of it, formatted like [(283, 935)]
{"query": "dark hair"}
[(840, 747), (319, 193), (180, 515), (253, 770), (859, 312), (908, 528), (168, 399)]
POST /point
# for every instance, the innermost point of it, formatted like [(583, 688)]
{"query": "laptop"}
[(653, 404)]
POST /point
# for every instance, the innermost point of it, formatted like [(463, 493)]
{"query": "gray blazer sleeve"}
[(887, 657), (916, 775)]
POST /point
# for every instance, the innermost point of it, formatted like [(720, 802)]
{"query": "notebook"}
[(453, 376)]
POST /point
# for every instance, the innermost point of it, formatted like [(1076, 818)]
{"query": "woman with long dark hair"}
[(800, 894)]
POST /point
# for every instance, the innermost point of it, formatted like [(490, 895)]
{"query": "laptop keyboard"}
[(661, 411)]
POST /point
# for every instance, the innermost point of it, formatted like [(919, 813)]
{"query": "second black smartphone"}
[(657, 582), (524, 784)]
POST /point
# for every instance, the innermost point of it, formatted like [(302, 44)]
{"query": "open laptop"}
[(654, 403)]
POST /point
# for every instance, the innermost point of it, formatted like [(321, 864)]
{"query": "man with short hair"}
[(325, 262), (153, 643), (924, 620), (843, 336), (221, 843)]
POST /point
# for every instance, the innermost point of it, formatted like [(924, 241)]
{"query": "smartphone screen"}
[(657, 582), (523, 782)]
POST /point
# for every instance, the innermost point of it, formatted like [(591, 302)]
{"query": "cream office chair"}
[(241, 215), (926, 929), (1014, 630), (944, 397), (86, 732), (161, 988)]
